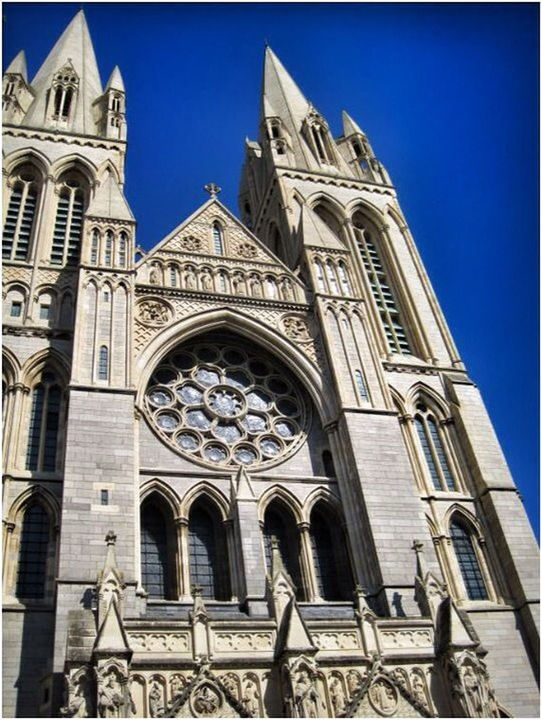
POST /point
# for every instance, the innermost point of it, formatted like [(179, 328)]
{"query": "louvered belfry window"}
[(20, 217), (33, 549), (68, 224), (468, 562), (382, 292)]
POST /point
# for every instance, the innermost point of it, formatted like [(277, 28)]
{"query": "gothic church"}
[(246, 473)]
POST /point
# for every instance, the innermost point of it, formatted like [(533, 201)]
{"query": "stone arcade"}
[(246, 473)]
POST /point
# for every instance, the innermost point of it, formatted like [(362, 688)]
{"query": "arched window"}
[(65, 84), (433, 452), (208, 551), (361, 385), (331, 277), (172, 276), (319, 275), (157, 551), (68, 224), (122, 250), (343, 275), (467, 561), (103, 363), (331, 563), (108, 247), (41, 453), (380, 287), (33, 553), (217, 239), (279, 523), (94, 247), (21, 214)]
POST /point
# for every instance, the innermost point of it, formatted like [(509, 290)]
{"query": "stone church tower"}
[(247, 473)]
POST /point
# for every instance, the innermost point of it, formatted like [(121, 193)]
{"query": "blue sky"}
[(448, 95)]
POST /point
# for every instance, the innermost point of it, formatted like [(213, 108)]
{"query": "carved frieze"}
[(243, 642), (406, 638), (160, 642), (336, 640), (154, 312)]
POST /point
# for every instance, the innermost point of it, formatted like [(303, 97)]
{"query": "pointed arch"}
[(208, 546), (247, 327), (209, 491), (107, 167), (31, 494), (31, 156), (159, 572), (465, 538), (74, 161), (421, 391), (462, 514), (398, 400), (279, 492), (11, 367), (37, 362), (321, 494)]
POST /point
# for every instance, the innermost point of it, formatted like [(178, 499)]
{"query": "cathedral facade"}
[(246, 473)]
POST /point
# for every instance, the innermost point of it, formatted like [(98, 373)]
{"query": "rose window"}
[(226, 405)]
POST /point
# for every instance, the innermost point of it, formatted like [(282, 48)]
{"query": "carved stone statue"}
[(190, 281), (206, 281), (206, 702), (305, 696), (337, 696), (250, 698), (152, 311), (383, 696), (256, 288), (110, 700), (287, 292), (79, 701), (154, 276), (239, 286), (155, 703), (177, 685), (418, 689)]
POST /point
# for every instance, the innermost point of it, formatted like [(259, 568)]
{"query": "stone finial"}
[(212, 189), (110, 538), (417, 547)]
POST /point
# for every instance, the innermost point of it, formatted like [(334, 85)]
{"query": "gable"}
[(186, 259)]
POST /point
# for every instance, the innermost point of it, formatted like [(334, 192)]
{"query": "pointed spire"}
[(112, 636), (74, 47), (293, 634), (349, 125), (281, 93), (109, 202), (18, 65), (115, 81)]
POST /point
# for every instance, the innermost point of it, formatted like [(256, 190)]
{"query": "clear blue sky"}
[(448, 95)]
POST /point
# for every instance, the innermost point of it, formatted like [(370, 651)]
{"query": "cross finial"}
[(212, 189), (110, 538), (197, 590)]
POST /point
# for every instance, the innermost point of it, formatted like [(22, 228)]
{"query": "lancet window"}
[(208, 551), (103, 363), (382, 292), (63, 93), (43, 440), (33, 553), (331, 564), (21, 214), (434, 454), (157, 551), (464, 543), (67, 233), (279, 524), (217, 239)]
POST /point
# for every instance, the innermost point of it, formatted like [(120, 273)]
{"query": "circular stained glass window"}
[(223, 404)]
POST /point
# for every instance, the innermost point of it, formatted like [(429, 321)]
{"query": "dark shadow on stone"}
[(397, 604)]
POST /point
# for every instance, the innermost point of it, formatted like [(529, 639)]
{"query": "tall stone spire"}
[(281, 93), (72, 50)]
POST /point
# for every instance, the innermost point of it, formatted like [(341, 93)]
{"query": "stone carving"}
[(160, 642), (247, 250), (250, 696), (239, 286), (176, 684), (79, 696), (206, 701), (353, 681), (241, 642), (155, 699), (190, 280), (470, 687), (418, 687), (296, 328), (232, 683), (191, 243), (336, 691), (383, 696), (154, 276), (206, 281), (336, 640), (406, 638), (255, 287), (154, 312), (305, 695), (287, 290), (110, 693)]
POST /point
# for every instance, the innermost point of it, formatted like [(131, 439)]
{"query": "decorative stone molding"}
[(336, 640), (406, 638), (243, 641), (160, 642), (154, 312), (295, 328)]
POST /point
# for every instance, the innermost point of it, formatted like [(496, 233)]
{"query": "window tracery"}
[(21, 214), (208, 551), (381, 289), (464, 543), (434, 455), (223, 404), (43, 440), (68, 226), (63, 93)]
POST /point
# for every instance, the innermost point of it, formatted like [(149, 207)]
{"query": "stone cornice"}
[(68, 138)]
